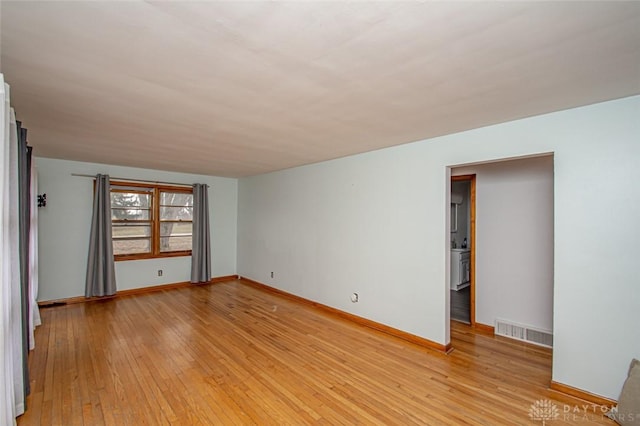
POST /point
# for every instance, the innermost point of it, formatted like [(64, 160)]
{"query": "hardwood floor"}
[(232, 354)]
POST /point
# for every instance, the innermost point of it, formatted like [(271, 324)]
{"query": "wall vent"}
[(524, 332)]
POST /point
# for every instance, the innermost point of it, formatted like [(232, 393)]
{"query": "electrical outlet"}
[(159, 272), (354, 297), (272, 275)]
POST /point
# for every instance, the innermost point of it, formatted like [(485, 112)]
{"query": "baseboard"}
[(223, 279), (579, 393), (484, 328), (420, 341), (134, 291), (68, 301)]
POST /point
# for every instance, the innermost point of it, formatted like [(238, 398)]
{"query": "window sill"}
[(122, 257)]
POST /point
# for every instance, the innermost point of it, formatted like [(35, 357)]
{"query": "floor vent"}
[(524, 333)]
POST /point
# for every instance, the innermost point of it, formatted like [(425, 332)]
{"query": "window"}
[(150, 220)]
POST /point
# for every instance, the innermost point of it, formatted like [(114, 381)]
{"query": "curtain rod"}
[(135, 180)]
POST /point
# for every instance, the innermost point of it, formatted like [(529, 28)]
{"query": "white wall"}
[(514, 241), (65, 222), (377, 224)]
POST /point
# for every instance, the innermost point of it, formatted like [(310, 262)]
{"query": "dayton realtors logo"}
[(543, 411)]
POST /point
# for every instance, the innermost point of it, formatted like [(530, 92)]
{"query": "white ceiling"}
[(241, 88)]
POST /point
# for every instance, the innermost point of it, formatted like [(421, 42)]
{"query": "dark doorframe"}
[(472, 237)]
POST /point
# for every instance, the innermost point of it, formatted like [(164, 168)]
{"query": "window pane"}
[(175, 229), (175, 243), (176, 213), (130, 206), (131, 230), (132, 246), (130, 199), (176, 199), (126, 230), (125, 213)]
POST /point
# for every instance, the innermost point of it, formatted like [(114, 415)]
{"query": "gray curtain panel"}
[(201, 245), (24, 220), (101, 275)]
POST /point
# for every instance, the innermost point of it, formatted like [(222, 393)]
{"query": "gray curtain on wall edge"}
[(24, 207), (101, 275), (201, 244)]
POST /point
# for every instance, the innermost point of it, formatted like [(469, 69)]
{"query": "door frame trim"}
[(472, 237)]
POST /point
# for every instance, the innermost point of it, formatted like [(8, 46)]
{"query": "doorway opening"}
[(510, 246), (463, 236)]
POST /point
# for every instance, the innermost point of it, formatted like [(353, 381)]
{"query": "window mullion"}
[(156, 221)]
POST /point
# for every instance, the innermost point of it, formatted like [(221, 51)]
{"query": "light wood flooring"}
[(232, 354)]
